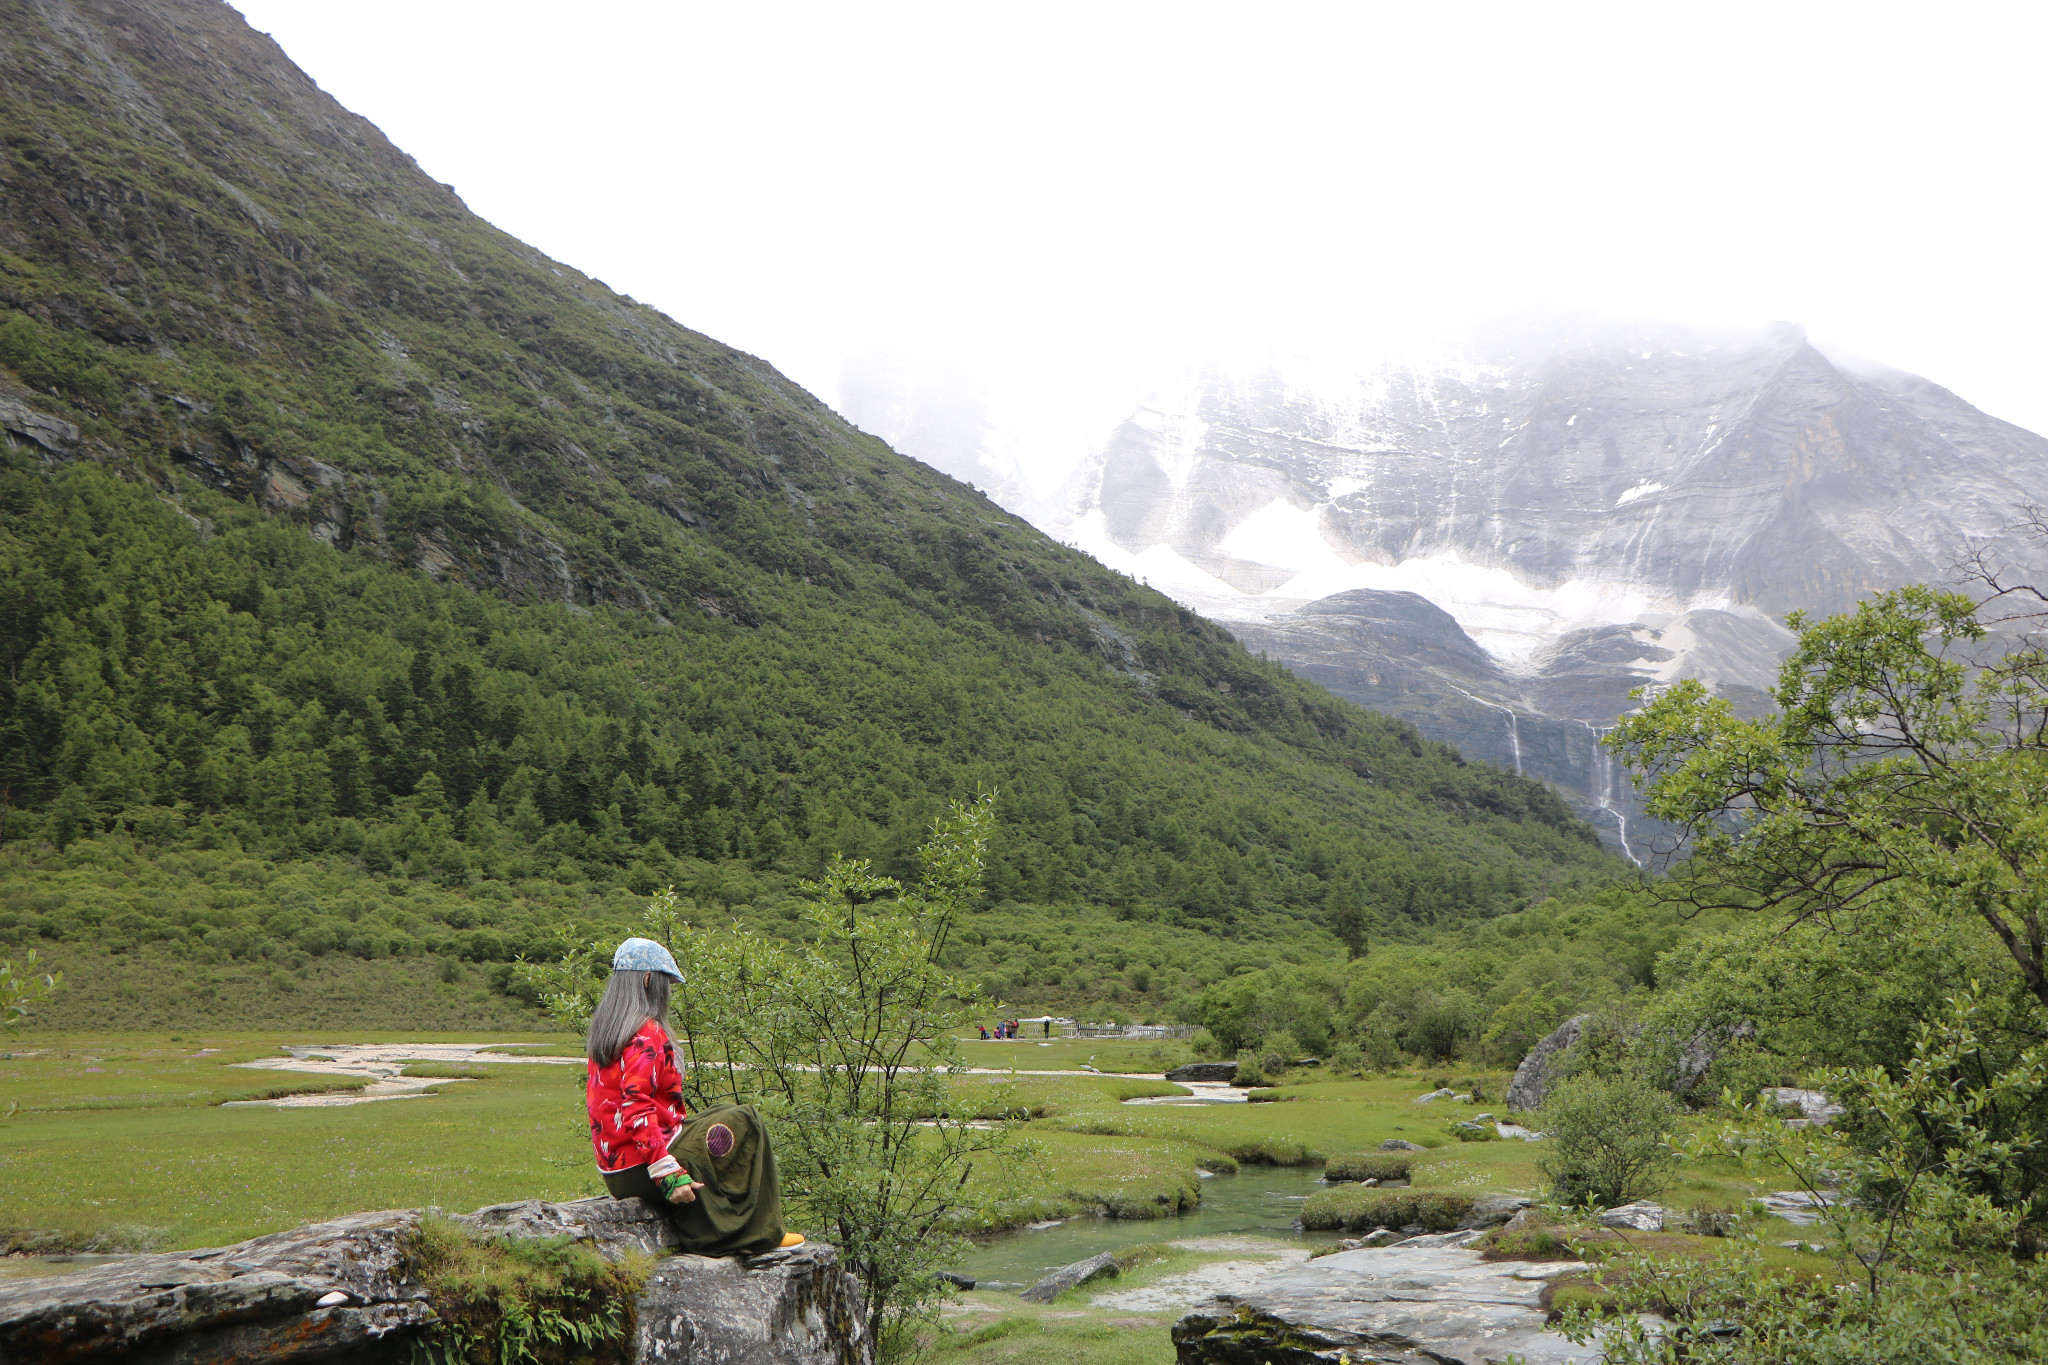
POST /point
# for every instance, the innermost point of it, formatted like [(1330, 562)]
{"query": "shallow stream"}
[(1259, 1201)]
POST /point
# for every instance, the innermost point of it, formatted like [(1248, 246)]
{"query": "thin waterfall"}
[(1514, 732), (1604, 776)]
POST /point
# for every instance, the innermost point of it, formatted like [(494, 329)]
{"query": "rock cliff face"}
[(344, 1291), (1501, 551)]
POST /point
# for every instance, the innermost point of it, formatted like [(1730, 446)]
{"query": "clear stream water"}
[(1259, 1201)]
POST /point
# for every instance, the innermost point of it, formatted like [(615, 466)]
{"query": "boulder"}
[(344, 1291), (1444, 1094), (1411, 1303), (1699, 1054), (1401, 1145), (1487, 1213), (1814, 1106), (1532, 1078), (52, 434), (1641, 1216), (1069, 1276), (1212, 1073), (795, 1307)]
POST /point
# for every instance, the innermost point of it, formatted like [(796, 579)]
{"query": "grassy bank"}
[(122, 1140)]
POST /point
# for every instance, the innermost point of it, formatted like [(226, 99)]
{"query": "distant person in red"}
[(984, 1031), (713, 1174)]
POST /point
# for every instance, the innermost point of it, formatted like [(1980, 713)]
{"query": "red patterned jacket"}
[(636, 1103)]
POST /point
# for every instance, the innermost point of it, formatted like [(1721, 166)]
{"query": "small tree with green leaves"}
[(23, 987), (1610, 1138), (1895, 805), (847, 1042), (1908, 755), (569, 985)]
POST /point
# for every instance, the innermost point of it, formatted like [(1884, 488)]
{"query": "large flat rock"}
[(343, 1292), (1404, 1305)]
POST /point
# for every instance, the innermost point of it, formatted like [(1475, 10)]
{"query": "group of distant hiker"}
[(1008, 1029)]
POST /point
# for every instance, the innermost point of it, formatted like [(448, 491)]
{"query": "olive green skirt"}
[(739, 1210)]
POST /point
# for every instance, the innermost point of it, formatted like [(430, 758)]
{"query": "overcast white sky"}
[(1054, 197)]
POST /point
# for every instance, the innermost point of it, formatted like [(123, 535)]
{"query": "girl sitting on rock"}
[(714, 1173)]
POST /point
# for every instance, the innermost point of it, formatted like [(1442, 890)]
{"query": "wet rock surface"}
[(1410, 1304), (344, 1291)]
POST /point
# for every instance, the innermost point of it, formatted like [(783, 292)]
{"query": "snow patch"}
[(1284, 536), (1641, 490), (1161, 566)]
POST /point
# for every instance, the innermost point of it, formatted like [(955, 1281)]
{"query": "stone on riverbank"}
[(1209, 1072), (1495, 1210), (1069, 1277), (1641, 1216), (1413, 1305), (343, 1291)]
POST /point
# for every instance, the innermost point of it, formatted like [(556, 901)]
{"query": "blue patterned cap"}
[(645, 955)]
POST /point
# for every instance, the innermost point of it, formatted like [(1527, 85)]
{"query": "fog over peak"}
[(1585, 505)]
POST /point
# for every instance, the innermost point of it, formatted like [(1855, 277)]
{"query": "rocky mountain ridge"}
[(1501, 551)]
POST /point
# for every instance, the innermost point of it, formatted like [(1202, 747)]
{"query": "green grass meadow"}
[(124, 1140)]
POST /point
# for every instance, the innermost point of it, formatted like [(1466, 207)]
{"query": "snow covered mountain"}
[(1501, 548), (1501, 541)]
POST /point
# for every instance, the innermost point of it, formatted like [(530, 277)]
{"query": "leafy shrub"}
[(1474, 1087), (1279, 1053), (1367, 1166), (1345, 1059), (1354, 1208), (523, 1301), (1704, 1220), (1379, 1038), (1249, 1072), (1609, 1139)]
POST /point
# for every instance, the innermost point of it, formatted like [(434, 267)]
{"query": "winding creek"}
[(1259, 1201)]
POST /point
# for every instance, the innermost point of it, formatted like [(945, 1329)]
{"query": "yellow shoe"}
[(791, 1239)]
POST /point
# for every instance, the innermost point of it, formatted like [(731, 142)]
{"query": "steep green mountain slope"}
[(371, 583)]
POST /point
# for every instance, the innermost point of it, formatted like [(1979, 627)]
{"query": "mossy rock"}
[(1354, 1208), (1367, 1166)]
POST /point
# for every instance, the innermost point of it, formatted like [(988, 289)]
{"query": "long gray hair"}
[(630, 1000)]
